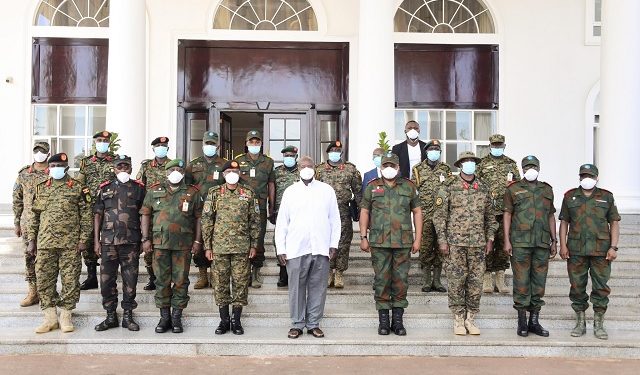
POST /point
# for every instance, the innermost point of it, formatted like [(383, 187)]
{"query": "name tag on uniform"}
[(252, 172), (509, 176), (216, 175), (185, 206), (441, 178)]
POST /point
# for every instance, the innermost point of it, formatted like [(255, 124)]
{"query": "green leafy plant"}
[(383, 142)]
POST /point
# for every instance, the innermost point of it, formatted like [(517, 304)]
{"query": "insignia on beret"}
[(163, 139), (439, 201), (180, 164), (529, 157), (253, 132), (234, 164), (210, 134), (587, 167), (338, 144), (63, 157), (105, 133)]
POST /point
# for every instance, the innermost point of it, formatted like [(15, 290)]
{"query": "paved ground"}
[(103, 365)]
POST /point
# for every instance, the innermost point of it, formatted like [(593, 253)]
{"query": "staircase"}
[(350, 318)]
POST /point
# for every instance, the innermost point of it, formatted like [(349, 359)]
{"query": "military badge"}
[(439, 201), (207, 207)]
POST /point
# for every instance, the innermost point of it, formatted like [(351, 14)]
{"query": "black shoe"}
[(383, 325), (92, 279), (523, 329), (397, 325), (165, 320), (225, 320), (176, 320), (110, 322), (152, 278), (236, 326), (283, 278), (534, 325), (128, 322)]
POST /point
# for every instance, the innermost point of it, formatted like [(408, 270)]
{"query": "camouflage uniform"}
[(230, 227)]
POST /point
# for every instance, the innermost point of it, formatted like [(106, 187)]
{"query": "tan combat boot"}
[(458, 325), (332, 278), (339, 281), (203, 279), (50, 320), (66, 325), (487, 283), (470, 324), (31, 298), (500, 283)]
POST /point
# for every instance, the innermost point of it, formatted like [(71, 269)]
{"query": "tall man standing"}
[(411, 152)]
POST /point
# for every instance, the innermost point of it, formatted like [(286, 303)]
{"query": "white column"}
[(375, 81), (126, 87), (619, 131)]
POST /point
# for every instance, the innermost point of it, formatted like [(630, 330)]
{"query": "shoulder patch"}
[(139, 182), (105, 184), (154, 185)]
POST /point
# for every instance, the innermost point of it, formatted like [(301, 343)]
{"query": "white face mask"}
[(588, 183), (413, 134), (39, 157), (307, 173), (123, 177), (175, 177), (531, 174), (389, 173), (232, 178)]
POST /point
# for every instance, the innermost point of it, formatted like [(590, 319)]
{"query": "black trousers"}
[(127, 257)]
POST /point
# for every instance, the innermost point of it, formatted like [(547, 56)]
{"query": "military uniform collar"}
[(155, 163)]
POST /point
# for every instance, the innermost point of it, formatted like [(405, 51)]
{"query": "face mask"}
[(254, 149), (497, 152), (39, 157), (175, 177), (57, 172), (307, 173), (289, 161), (413, 134), (389, 173), (377, 161), (469, 167), (433, 155), (588, 183), (531, 174), (335, 156), (161, 151), (102, 147), (232, 178), (123, 177), (209, 150)]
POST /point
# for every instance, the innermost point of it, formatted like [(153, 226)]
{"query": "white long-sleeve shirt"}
[(308, 220)]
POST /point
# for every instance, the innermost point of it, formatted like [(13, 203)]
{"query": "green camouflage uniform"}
[(23, 192), (390, 238), (497, 173), (588, 241), (174, 220), (530, 204), (258, 181), (230, 227), (61, 220), (346, 181), (465, 220)]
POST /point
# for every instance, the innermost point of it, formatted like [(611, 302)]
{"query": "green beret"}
[(103, 134), (59, 158), (210, 136), (290, 148), (390, 157), (120, 159), (496, 138), (589, 169), (530, 160), (43, 145), (174, 163), (254, 134), (334, 144), (160, 140), (231, 164)]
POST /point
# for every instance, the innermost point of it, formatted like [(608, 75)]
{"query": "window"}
[(457, 130), (74, 13), (593, 22), (443, 16), (294, 15), (69, 128)]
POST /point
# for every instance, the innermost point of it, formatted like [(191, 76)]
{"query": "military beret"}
[(174, 163), (43, 145), (231, 164), (466, 155), (496, 138), (210, 136), (530, 160), (120, 159), (103, 133), (589, 169), (334, 144), (390, 157), (59, 158), (160, 140), (433, 142), (254, 134), (290, 148)]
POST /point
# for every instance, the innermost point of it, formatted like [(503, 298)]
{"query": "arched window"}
[(443, 16), (74, 13), (293, 15)]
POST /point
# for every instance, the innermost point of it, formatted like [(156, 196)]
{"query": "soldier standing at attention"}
[(152, 172), (170, 229), (589, 234), (497, 171), (116, 228), (429, 176), (230, 229), (205, 172), (530, 239), (58, 232), (389, 202), (23, 191), (346, 181), (465, 225), (94, 170), (286, 175), (256, 171)]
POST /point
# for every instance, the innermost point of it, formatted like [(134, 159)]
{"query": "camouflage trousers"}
[(430, 255), (599, 268), (50, 263), (127, 257), (391, 280), (89, 256), (258, 261), (497, 259), (530, 266), (172, 277), (148, 259), (29, 266), (464, 268), (341, 261), (231, 279)]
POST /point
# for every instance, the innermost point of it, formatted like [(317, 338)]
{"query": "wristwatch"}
[(615, 248), (144, 239), (364, 238)]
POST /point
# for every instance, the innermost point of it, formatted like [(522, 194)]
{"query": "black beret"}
[(103, 133), (160, 140), (61, 157), (231, 164), (290, 148), (334, 144)]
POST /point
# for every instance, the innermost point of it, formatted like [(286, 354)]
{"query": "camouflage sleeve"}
[(147, 205), (318, 175), (479, 170), (98, 205), (415, 200), (366, 197), (81, 176), (553, 207), (356, 185), (207, 220), (197, 205), (415, 176), (564, 211), (18, 201), (508, 201), (188, 174), (272, 173), (515, 171), (142, 177), (86, 216), (440, 215), (34, 223), (254, 222), (612, 214), (490, 223)]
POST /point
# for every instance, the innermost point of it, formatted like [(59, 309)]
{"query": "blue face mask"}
[(209, 150), (377, 160), (161, 151), (289, 161), (57, 173), (254, 149), (102, 147), (497, 152), (334, 156), (469, 167), (433, 155)]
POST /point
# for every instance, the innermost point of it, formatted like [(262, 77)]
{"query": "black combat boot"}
[(396, 321), (225, 320), (534, 325), (128, 322), (92, 279), (165, 320), (236, 326), (383, 325), (176, 320), (151, 285), (523, 328), (110, 322), (283, 278)]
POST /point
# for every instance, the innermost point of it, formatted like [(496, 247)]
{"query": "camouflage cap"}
[(103, 134), (290, 148), (174, 163), (496, 138), (589, 169), (43, 145), (466, 155), (160, 140), (530, 160), (122, 159), (210, 136), (254, 134), (334, 144), (433, 142), (390, 157), (59, 158), (231, 164)]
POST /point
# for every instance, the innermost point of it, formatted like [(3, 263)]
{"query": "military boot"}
[(332, 279), (128, 322), (523, 328), (534, 325), (203, 279), (437, 284), (470, 324), (225, 320), (236, 325), (581, 325), (598, 326), (397, 325), (426, 279), (283, 277), (458, 325), (110, 322), (92, 279), (50, 320), (31, 298), (339, 280), (66, 325), (256, 277), (383, 325), (176, 320), (151, 285), (487, 283), (165, 320), (500, 283)]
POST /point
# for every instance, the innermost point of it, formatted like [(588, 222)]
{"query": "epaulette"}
[(376, 181), (155, 185), (545, 183), (70, 182), (239, 156), (570, 191), (605, 190), (195, 187), (28, 166), (104, 184), (196, 159), (513, 182), (145, 161), (408, 180), (138, 182)]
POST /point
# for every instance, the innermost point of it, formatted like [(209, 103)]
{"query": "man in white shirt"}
[(307, 235), (412, 151)]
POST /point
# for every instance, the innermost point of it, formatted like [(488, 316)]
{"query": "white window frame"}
[(104, 3), (283, 3), (461, 7), (590, 22)]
